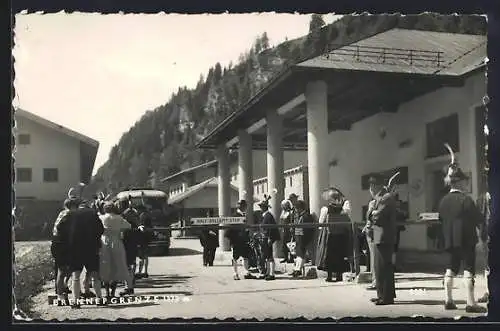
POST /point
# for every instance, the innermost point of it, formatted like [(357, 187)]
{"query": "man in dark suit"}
[(461, 219), (382, 219), (84, 239), (270, 236)]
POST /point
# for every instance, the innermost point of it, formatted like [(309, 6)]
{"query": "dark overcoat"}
[(461, 219)]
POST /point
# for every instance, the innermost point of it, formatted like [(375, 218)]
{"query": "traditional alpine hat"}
[(265, 201), (457, 175), (109, 207)]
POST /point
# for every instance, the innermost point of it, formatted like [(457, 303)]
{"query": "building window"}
[(257, 189), (24, 175), (441, 131), (291, 180), (23, 139), (50, 175)]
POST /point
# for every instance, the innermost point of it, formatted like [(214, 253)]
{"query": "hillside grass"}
[(33, 268)]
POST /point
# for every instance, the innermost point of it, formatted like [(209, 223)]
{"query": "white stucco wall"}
[(295, 182), (48, 149), (361, 150), (207, 198)]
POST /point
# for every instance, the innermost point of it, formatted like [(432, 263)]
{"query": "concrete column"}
[(224, 192), (317, 148), (275, 169), (245, 171), (317, 143)]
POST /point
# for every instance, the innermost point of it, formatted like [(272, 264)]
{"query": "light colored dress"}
[(113, 261)]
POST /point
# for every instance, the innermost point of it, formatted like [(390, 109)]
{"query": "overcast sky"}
[(97, 74)]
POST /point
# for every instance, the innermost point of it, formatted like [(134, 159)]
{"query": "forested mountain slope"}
[(162, 141)]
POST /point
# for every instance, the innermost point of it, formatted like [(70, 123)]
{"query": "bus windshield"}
[(153, 203)]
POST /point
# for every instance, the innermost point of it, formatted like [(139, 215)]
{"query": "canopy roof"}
[(361, 78)]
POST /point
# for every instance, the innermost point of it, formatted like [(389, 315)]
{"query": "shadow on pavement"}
[(425, 288), (180, 251), (177, 251), (251, 291), (427, 302), (411, 279), (161, 281)]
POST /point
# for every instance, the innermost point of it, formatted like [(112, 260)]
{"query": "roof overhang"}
[(352, 96), (195, 189), (189, 170), (356, 89)]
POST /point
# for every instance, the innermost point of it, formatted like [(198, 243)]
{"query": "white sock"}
[(235, 267), (469, 285), (448, 288), (298, 264), (271, 268), (76, 289), (141, 265)]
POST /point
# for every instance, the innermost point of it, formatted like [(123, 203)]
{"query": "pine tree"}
[(264, 40), (316, 23)]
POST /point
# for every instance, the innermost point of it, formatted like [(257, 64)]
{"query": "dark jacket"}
[(209, 237), (306, 233), (271, 233), (383, 217), (84, 232), (236, 234), (60, 236), (132, 236), (460, 218)]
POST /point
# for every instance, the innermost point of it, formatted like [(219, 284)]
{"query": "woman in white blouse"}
[(335, 244)]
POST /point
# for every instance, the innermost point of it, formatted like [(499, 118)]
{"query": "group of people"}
[(337, 250), (463, 224), (105, 238), (336, 246)]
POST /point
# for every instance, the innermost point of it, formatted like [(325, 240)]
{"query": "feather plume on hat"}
[(452, 167), (390, 187), (265, 201)]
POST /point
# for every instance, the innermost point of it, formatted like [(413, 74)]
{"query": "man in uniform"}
[(460, 218), (382, 219)]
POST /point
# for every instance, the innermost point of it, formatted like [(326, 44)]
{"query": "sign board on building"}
[(428, 216), (217, 220)]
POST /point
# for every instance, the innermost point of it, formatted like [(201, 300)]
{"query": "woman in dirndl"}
[(286, 217), (335, 247), (113, 259)]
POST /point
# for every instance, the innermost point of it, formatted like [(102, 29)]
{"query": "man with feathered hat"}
[(270, 236), (461, 219)]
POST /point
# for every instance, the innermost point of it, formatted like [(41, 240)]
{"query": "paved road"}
[(212, 293)]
